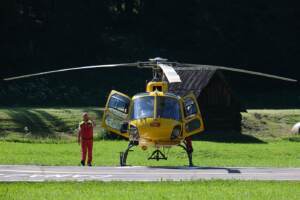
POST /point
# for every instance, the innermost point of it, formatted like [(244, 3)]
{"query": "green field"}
[(44, 123), (277, 154), (154, 190), (51, 136), (61, 123), (270, 124)]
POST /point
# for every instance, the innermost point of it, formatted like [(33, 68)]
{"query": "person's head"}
[(85, 116)]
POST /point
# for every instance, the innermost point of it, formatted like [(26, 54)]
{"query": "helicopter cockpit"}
[(156, 107)]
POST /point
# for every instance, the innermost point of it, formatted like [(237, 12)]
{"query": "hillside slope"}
[(62, 123)]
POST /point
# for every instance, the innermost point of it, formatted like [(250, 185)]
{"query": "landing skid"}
[(156, 155)]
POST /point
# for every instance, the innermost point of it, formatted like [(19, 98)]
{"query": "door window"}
[(190, 107), (119, 103)]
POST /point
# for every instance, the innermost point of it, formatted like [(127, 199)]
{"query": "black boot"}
[(82, 163), (89, 164)]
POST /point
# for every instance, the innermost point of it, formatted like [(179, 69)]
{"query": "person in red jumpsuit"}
[(85, 138)]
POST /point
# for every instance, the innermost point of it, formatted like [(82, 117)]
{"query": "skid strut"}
[(123, 155), (189, 153)]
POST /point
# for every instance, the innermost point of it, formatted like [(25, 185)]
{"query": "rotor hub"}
[(158, 60)]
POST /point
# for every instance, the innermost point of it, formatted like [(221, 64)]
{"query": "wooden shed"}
[(221, 109)]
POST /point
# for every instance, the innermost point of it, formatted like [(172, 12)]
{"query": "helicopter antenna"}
[(155, 74)]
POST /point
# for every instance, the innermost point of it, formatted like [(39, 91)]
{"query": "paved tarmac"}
[(11, 173)]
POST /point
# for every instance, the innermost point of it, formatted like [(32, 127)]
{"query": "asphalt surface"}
[(10, 173)]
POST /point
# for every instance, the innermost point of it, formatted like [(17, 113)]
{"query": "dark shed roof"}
[(194, 81)]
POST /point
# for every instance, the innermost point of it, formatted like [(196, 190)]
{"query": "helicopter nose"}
[(157, 129), (155, 124)]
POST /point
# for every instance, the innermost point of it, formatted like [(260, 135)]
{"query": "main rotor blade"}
[(71, 69), (170, 73), (203, 67)]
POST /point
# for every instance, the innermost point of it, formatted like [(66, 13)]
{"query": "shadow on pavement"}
[(229, 170)]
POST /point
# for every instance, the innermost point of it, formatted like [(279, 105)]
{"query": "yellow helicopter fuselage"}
[(156, 130), (154, 118)]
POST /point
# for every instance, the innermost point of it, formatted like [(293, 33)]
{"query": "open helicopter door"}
[(193, 122), (116, 112)]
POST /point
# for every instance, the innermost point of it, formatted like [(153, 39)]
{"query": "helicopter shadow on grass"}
[(228, 137)]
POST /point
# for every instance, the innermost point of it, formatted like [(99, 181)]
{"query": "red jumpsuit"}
[(86, 136)]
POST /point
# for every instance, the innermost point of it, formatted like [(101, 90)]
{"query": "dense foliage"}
[(50, 34)]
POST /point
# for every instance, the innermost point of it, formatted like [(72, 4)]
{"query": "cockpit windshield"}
[(143, 107), (168, 108)]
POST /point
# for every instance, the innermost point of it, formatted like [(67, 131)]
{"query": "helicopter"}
[(155, 118)]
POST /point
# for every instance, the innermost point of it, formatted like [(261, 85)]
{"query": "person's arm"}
[(93, 122), (79, 135)]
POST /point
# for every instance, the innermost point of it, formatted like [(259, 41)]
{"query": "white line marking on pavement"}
[(111, 172), (59, 176), (138, 173), (148, 173)]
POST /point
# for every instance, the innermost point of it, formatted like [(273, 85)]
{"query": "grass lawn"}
[(61, 123), (44, 123), (153, 190), (270, 124), (50, 140), (277, 154)]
